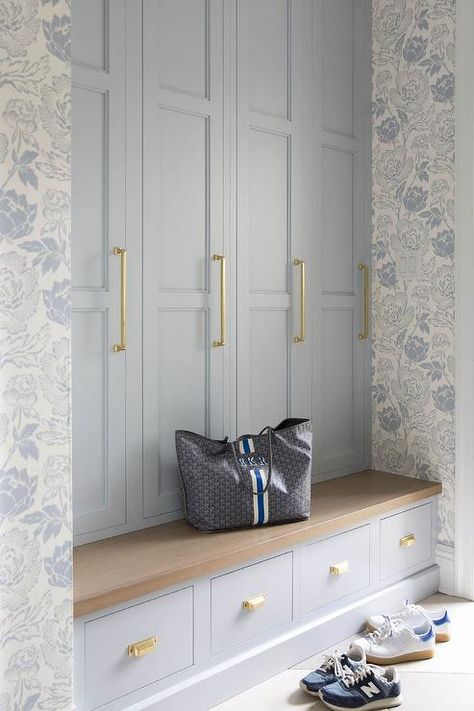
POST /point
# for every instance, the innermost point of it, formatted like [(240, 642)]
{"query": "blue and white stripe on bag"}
[(259, 482), (246, 445)]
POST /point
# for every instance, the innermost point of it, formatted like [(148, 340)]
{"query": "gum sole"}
[(441, 637), (411, 657), (379, 704)]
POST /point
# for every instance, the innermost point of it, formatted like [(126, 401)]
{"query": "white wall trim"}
[(445, 558), (464, 167)]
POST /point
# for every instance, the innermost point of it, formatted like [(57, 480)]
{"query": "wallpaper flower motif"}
[(35, 413), (413, 223)]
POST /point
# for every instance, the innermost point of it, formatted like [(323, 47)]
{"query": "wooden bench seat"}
[(125, 567)]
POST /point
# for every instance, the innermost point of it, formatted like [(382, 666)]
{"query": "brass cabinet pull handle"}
[(365, 332), (122, 253), (254, 603), (339, 568), (217, 344), (300, 263), (407, 541), (145, 646)]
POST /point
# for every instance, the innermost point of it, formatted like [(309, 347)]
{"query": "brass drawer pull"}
[(339, 568), (254, 603), (145, 646), (407, 541)]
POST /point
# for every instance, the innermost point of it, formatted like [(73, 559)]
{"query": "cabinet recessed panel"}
[(337, 420), (89, 201), (268, 347), (182, 40), (337, 58), (269, 220), (269, 45), (337, 207), (90, 398), (89, 31), (183, 199), (182, 386)]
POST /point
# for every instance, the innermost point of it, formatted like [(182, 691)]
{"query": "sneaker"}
[(333, 667), (395, 643), (367, 688), (413, 615)]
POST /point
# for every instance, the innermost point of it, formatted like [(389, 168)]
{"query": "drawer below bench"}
[(251, 601), (112, 641), (406, 540), (334, 568)]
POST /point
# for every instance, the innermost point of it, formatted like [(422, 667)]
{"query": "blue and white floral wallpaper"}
[(35, 428), (413, 244)]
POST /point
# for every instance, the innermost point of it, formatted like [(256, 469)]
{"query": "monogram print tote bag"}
[(258, 479)]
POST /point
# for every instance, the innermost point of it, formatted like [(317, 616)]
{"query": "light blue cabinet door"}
[(98, 225), (183, 213), (274, 371), (342, 376)]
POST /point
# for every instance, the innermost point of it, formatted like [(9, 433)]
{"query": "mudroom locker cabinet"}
[(221, 158)]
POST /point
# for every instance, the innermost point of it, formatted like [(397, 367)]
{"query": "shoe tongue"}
[(367, 676)]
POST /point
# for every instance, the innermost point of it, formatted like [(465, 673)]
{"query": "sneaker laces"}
[(333, 661), (386, 630), (408, 609), (359, 674)]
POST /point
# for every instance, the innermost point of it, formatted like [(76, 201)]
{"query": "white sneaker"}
[(414, 615), (394, 643)]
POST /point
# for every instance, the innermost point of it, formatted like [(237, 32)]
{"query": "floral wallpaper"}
[(413, 244), (35, 487)]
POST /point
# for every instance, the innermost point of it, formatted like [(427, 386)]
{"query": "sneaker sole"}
[(303, 687), (409, 657), (440, 637), (378, 704)]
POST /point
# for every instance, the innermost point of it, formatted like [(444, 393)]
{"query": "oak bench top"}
[(119, 569)]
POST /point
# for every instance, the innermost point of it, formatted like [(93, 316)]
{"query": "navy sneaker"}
[(334, 667), (367, 687)]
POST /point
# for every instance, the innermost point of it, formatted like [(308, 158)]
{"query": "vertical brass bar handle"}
[(218, 344), (300, 263), (122, 253), (365, 332)]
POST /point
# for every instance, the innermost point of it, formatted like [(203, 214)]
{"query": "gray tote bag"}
[(258, 479)]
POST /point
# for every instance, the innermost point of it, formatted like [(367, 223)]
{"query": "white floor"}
[(444, 683)]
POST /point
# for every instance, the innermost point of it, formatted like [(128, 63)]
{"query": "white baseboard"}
[(212, 686), (445, 560)]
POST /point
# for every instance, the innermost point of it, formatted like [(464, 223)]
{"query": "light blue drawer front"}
[(111, 672), (415, 524), (232, 624), (334, 568)]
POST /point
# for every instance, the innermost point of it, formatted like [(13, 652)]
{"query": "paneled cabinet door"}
[(274, 238), (98, 219), (183, 371), (341, 358)]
